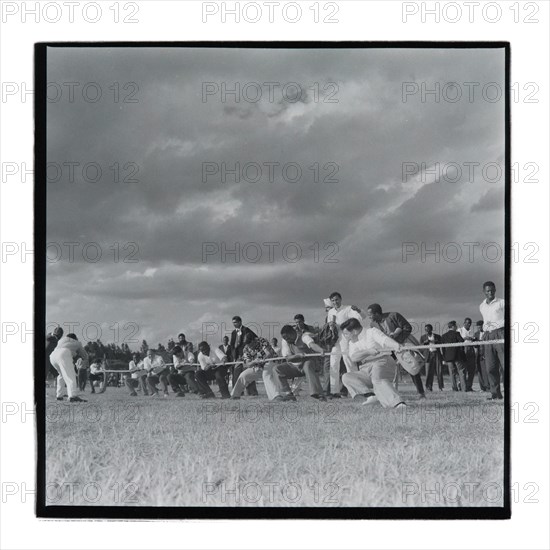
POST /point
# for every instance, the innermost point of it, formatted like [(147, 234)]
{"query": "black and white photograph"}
[(274, 276)]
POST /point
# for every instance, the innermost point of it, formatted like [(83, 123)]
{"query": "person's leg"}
[(430, 368), (382, 376), (191, 382), (201, 378), (417, 381), (268, 378), (454, 375), (499, 350), (493, 355), (335, 383), (283, 372), (357, 383), (220, 374), (131, 384), (439, 370), (312, 377), (470, 368), (175, 379), (152, 382), (61, 387), (326, 374), (64, 364), (247, 377), (462, 369), (344, 347), (237, 370)]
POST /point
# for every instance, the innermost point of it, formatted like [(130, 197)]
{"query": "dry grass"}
[(117, 450)]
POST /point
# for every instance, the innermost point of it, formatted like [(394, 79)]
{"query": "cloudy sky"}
[(351, 212)]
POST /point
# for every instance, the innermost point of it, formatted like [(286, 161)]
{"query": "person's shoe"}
[(335, 395), (401, 406), (225, 397), (289, 397), (371, 400), (93, 391), (133, 394), (180, 394), (165, 394), (429, 389), (59, 398), (235, 397), (155, 394), (278, 399), (495, 398), (422, 396), (77, 400)]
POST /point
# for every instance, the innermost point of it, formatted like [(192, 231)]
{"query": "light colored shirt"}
[(431, 339), (493, 314), (467, 333), (303, 342), (214, 359), (156, 365), (138, 370), (95, 368), (343, 314), (75, 347), (371, 339)]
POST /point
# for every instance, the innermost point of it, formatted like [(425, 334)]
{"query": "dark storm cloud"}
[(362, 139)]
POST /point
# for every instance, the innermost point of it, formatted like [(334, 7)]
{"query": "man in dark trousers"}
[(225, 348), (480, 359), (237, 345), (432, 357), (455, 358), (395, 326)]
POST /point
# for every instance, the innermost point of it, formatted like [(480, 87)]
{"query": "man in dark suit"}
[(237, 345), (455, 358), (395, 326), (432, 357)]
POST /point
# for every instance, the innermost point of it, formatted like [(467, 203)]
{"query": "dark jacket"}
[(453, 354), (237, 344), (425, 342)]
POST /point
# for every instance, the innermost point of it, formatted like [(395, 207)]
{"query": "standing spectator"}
[(397, 327), (432, 358), (225, 348), (182, 342), (480, 359), (467, 333), (237, 344), (454, 357), (493, 312)]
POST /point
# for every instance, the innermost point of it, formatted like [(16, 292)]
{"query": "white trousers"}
[(249, 375), (62, 362), (336, 354), (376, 376)]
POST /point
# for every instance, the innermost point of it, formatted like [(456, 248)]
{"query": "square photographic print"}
[(273, 280)]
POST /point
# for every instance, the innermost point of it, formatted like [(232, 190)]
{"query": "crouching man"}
[(185, 372), (212, 367), (376, 370), (294, 350), (138, 376), (157, 372), (255, 352)]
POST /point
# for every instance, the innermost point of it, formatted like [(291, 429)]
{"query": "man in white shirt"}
[(493, 311), (338, 315), (97, 375), (61, 358), (185, 372), (468, 335), (157, 371), (376, 370), (138, 375), (212, 367)]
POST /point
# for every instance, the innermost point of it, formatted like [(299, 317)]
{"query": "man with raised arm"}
[(376, 369)]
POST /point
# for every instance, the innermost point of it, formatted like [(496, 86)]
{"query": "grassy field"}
[(142, 451)]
